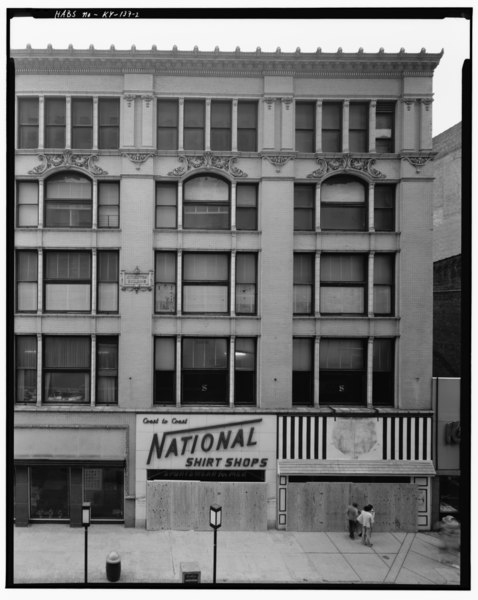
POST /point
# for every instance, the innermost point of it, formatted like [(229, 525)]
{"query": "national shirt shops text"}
[(207, 439)]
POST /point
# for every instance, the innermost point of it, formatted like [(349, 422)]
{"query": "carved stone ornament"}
[(129, 99), (345, 163), (136, 281), (138, 158), (419, 160), (278, 160), (207, 160), (68, 159), (287, 101), (269, 101)]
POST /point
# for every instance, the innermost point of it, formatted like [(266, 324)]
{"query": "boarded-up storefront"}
[(184, 505), (317, 506)]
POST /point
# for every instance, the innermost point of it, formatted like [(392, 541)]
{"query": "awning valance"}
[(375, 468)]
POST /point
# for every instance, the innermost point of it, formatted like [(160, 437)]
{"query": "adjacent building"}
[(223, 286)]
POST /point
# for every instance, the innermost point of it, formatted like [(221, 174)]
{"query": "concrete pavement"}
[(54, 554)]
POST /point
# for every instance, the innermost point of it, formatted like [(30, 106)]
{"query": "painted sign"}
[(205, 441)]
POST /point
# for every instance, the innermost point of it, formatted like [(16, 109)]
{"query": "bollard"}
[(113, 567)]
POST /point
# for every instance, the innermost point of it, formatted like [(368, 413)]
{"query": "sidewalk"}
[(54, 554)]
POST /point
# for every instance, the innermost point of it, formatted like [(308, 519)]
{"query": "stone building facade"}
[(223, 284)]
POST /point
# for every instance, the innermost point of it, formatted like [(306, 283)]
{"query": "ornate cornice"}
[(277, 160), (223, 63), (207, 160), (418, 161), (67, 159), (345, 163), (138, 158)]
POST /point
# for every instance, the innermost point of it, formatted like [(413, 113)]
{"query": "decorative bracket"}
[(68, 159), (207, 160), (418, 161), (278, 160), (347, 163), (138, 158)]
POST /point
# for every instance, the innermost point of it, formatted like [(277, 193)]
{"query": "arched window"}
[(68, 201), (343, 204), (206, 203)]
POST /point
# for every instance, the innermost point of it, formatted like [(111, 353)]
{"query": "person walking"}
[(352, 513), (365, 519)]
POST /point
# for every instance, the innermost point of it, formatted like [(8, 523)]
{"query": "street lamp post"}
[(215, 521), (85, 521)]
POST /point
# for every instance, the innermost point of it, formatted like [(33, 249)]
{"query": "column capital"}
[(346, 102), (181, 101), (208, 101), (319, 102), (373, 103), (40, 251), (234, 102)]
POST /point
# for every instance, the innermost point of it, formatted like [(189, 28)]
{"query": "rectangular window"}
[(342, 372), (106, 370), (28, 123), (165, 370), (304, 270), (332, 127), (168, 119), (108, 123), (303, 372), (246, 126), (384, 126), (67, 281), (27, 281), (205, 283), (305, 126), (166, 205), (358, 127), (245, 372), (82, 123), (343, 286), (49, 492), (68, 201), (343, 205), (221, 125), (304, 202), (383, 369), (383, 288), (104, 489), (165, 288), (66, 370), (205, 363), (384, 207), (246, 207), (26, 368), (108, 274), (246, 283), (194, 124), (206, 203), (55, 122), (27, 204), (108, 204)]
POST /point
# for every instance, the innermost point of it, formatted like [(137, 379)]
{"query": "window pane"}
[(167, 138), (304, 196), (246, 115), (341, 354), (246, 219), (343, 218), (339, 190), (245, 267), (220, 139), (194, 139), (68, 265), (332, 115), (165, 217), (245, 376), (67, 387), (247, 140), (302, 299), (358, 116), (206, 267), (27, 192), (358, 141), (107, 266), (383, 268), (104, 488), (384, 196), (107, 297), (221, 114), (245, 354), (305, 141), (49, 497), (205, 216), (27, 266), (194, 115), (107, 370), (166, 267), (69, 186), (67, 352), (304, 268), (27, 297), (26, 368), (165, 371), (167, 113), (246, 211), (342, 267), (331, 141), (246, 195), (108, 193), (28, 122), (206, 189), (64, 297), (304, 219), (305, 115), (55, 119), (334, 299), (108, 122), (302, 354), (246, 283), (205, 298), (165, 353), (205, 353)]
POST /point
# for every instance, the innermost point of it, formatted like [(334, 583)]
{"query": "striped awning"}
[(375, 468)]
